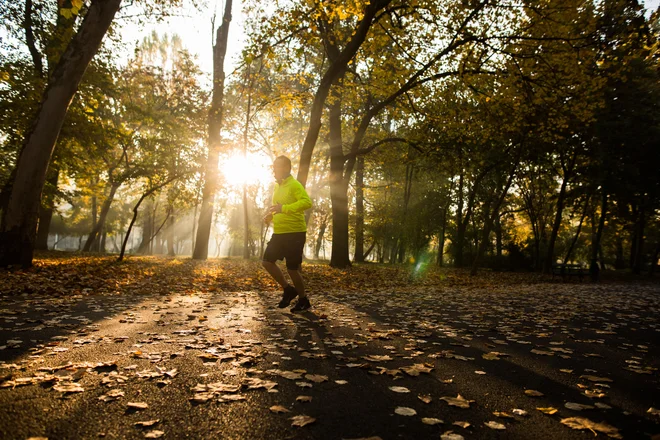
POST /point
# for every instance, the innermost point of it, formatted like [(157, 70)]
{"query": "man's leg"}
[(298, 282), (275, 271)]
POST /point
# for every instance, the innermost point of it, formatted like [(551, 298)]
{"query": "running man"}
[(290, 200)]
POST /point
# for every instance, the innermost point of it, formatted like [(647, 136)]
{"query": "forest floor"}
[(172, 348)]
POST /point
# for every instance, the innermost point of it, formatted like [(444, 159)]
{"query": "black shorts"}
[(286, 246)]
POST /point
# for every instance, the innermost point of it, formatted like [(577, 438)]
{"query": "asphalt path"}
[(360, 364)]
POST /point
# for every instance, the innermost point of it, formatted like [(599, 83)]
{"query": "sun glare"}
[(253, 169)]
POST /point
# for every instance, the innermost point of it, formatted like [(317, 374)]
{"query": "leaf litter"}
[(242, 356)]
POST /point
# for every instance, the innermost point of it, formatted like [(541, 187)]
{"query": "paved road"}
[(212, 365)]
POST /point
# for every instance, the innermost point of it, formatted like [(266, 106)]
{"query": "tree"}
[(215, 125)]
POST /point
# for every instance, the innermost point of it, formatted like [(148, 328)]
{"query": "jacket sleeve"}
[(302, 202)]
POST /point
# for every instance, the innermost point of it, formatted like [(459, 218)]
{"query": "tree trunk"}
[(46, 208), (170, 234), (18, 231), (147, 230), (407, 191), (577, 233), (335, 69), (460, 228), (94, 235), (338, 190), (359, 211), (104, 235), (498, 238), (319, 238), (135, 214), (441, 239), (594, 270), (549, 259), (640, 225), (491, 218), (201, 250)]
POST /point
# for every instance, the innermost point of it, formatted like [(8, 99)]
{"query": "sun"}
[(252, 169)]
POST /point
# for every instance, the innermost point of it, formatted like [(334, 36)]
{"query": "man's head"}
[(281, 167)]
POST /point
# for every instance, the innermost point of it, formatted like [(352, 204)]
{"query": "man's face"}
[(280, 169)]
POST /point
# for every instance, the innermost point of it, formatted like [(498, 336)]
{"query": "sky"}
[(194, 28)]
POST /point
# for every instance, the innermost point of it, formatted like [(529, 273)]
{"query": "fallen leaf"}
[(70, 387), (450, 435), (458, 401), (431, 421), (495, 425), (502, 414), (594, 394), (549, 410), (653, 411), (577, 406), (154, 434), (534, 393), (405, 411), (316, 378), (278, 409), (543, 353), (580, 423), (462, 424), (520, 412), (425, 398), (304, 398), (302, 420), (400, 389), (137, 405), (147, 423), (341, 382), (595, 378), (290, 375)]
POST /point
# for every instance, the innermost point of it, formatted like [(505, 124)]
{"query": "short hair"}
[(284, 159)]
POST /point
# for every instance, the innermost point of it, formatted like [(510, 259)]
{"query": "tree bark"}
[(319, 237), (170, 233), (359, 211), (18, 231), (577, 233), (338, 189), (46, 209), (490, 219), (94, 235), (441, 239), (335, 70), (135, 213), (640, 225), (594, 270), (568, 171), (201, 250)]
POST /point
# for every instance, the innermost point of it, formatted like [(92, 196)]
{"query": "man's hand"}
[(268, 218), (275, 209)]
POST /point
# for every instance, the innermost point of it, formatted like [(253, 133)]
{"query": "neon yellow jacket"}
[(294, 200)]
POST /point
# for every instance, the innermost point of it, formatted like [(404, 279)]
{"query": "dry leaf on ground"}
[(582, 423), (302, 420), (458, 401), (577, 406), (450, 435), (495, 425), (400, 389), (534, 393), (405, 411)]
